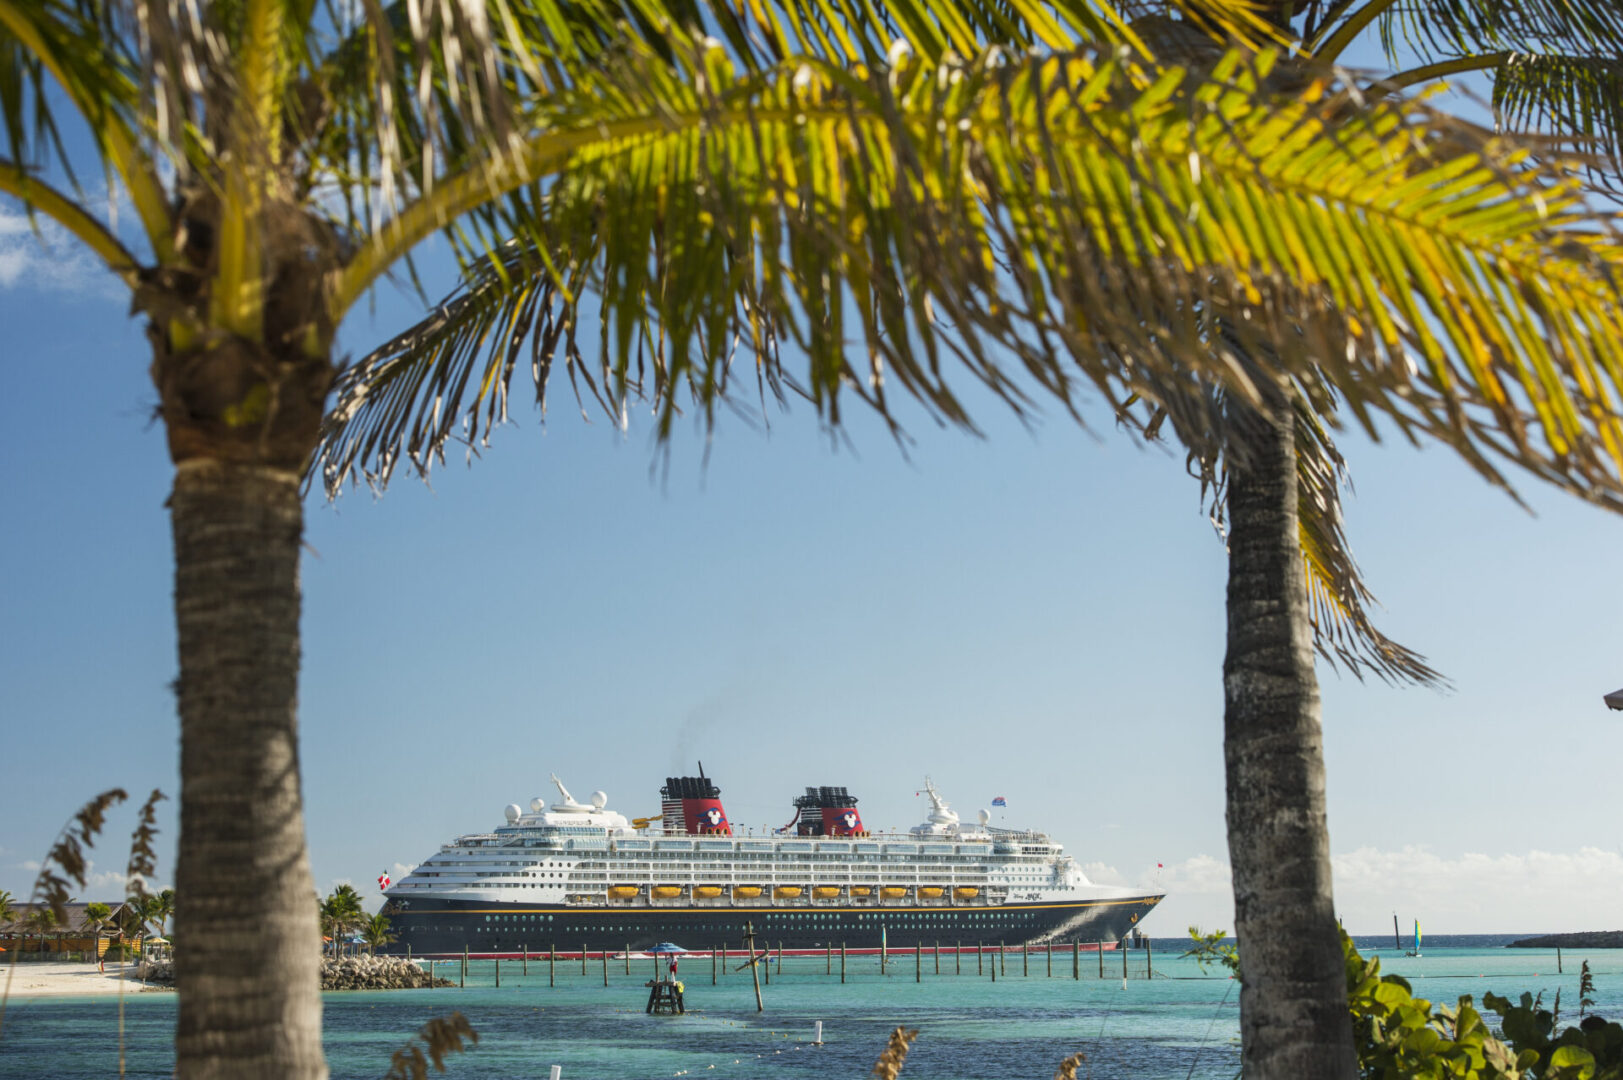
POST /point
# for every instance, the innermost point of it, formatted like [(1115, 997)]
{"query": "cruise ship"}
[(580, 877)]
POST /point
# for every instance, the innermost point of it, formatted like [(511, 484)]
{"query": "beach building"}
[(25, 935)]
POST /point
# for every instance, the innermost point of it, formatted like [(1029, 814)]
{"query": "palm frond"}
[(1578, 96), (1452, 28), (1339, 600), (1049, 222), (48, 43)]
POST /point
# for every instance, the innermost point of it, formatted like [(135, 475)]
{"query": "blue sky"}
[(1036, 615)]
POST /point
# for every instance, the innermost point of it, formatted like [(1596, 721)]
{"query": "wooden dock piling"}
[(583, 958), (829, 958), (749, 945), (918, 961), (552, 965), (498, 973), (1025, 960), (1101, 959), (1149, 960), (1049, 950), (1076, 960), (842, 963), (938, 958), (525, 971), (1003, 957), (462, 979), (1124, 959), (958, 958), (605, 967), (628, 958), (980, 959)]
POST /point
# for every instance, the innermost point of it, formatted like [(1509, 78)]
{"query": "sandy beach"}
[(31, 979)]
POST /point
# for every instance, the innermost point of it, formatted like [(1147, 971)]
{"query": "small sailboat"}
[(1416, 950)]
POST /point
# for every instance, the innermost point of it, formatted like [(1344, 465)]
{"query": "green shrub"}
[(1402, 1037)]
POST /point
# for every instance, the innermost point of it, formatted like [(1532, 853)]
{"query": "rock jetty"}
[(340, 973), (1589, 939)]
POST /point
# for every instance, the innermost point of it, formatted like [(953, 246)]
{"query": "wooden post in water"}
[(408, 952), (628, 958), (1003, 957), (1076, 960), (918, 961), (1124, 959), (749, 945), (605, 967), (980, 959), (1149, 960), (938, 957), (958, 958), (552, 965), (829, 959), (1557, 957), (780, 957), (994, 968), (1025, 959), (1049, 949), (526, 960), (713, 965), (498, 973), (583, 958), (462, 979), (882, 950), (842, 963)]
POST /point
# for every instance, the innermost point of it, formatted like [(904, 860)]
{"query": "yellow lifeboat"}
[(787, 892), (893, 892), (666, 892), (966, 892), (824, 892), (861, 890), (707, 891), (930, 892), (622, 892), (747, 890)]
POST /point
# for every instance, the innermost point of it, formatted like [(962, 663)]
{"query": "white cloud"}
[(42, 256), (1470, 893), (1480, 893)]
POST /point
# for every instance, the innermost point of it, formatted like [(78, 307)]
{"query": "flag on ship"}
[(383, 880), (1000, 801)]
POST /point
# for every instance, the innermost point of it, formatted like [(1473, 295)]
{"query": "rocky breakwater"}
[(337, 973)]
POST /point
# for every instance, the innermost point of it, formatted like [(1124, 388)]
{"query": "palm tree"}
[(376, 932), (158, 909), (8, 908), (42, 921), (96, 917), (1292, 582), (716, 194), (341, 914)]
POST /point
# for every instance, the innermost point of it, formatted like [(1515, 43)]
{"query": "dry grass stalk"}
[(890, 1062), (1067, 1068)]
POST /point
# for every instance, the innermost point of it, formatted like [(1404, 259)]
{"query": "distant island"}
[(1589, 939)]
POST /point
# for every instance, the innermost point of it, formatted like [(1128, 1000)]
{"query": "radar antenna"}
[(569, 800)]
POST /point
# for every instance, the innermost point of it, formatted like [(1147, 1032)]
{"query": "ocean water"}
[(1180, 1023)]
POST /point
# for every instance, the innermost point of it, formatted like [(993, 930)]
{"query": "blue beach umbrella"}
[(667, 947)]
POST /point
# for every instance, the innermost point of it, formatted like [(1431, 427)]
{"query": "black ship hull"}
[(429, 927)]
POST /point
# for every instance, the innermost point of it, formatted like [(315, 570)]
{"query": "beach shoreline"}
[(32, 979)]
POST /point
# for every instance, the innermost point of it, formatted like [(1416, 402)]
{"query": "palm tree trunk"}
[(1293, 998), (247, 950)]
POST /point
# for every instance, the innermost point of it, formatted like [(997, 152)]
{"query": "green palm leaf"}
[(1580, 96), (1078, 227)]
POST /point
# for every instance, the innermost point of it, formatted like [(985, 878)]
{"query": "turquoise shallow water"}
[(1175, 1025)]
